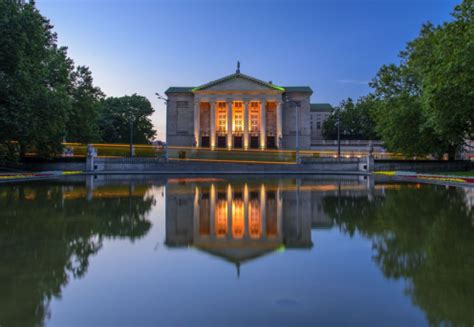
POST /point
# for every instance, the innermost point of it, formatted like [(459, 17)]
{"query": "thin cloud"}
[(353, 81)]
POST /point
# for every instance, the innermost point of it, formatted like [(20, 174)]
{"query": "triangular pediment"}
[(238, 82)]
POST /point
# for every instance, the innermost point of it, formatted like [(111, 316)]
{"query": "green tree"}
[(355, 119), (430, 94), (82, 125), (34, 81), (118, 114)]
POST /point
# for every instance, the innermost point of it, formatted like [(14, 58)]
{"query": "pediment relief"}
[(237, 82)]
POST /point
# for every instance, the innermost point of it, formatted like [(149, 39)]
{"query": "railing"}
[(346, 142), (217, 155), (113, 150)]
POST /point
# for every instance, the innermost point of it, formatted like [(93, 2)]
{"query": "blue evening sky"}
[(145, 46)]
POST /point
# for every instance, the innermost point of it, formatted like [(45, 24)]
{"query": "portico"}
[(238, 122)]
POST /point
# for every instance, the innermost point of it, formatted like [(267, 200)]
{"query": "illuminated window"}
[(254, 117), (221, 117)]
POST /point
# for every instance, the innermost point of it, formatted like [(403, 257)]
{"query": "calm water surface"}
[(148, 251)]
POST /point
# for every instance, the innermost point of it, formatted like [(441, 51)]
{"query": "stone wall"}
[(423, 165), (180, 119), (289, 121), (137, 165)]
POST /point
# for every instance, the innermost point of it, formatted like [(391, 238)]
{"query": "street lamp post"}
[(297, 133), (160, 97)]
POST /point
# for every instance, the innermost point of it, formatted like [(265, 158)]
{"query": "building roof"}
[(180, 89), (305, 89), (239, 75), (191, 89), (321, 107)]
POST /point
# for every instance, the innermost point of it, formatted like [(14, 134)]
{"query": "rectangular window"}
[(318, 125)]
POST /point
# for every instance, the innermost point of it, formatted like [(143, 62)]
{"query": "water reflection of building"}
[(239, 221)]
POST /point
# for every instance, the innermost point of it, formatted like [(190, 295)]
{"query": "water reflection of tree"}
[(424, 236), (46, 241)]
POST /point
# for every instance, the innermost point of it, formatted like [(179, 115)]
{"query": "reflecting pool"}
[(248, 250)]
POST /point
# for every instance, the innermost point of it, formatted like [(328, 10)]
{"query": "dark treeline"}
[(45, 99), (425, 103)]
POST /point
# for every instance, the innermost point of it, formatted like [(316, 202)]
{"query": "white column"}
[(279, 119), (197, 109), (246, 125), (263, 134), (229, 124), (213, 124)]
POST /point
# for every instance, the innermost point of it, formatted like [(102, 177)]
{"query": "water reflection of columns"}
[(246, 211), (212, 211), (229, 211), (279, 210), (263, 212), (196, 211)]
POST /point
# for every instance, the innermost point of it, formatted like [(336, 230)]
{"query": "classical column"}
[(246, 125), (263, 134), (213, 124), (229, 124), (197, 109), (279, 119)]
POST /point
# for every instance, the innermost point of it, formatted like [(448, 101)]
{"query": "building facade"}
[(239, 112), (319, 113)]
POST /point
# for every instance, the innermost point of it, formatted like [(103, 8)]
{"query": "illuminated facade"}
[(239, 112)]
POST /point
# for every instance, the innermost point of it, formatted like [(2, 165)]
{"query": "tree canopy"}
[(355, 119), (45, 99), (117, 114), (426, 102)]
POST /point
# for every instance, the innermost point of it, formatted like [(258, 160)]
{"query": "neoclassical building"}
[(242, 112)]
